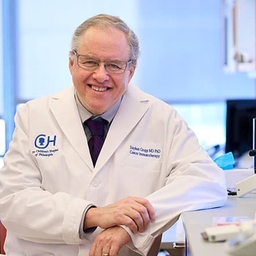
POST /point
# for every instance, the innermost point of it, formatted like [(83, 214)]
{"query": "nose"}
[(101, 74)]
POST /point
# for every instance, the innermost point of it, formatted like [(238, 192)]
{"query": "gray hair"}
[(107, 21)]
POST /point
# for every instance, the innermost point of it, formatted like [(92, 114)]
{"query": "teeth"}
[(99, 89)]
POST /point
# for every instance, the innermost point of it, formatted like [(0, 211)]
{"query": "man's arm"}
[(133, 212)]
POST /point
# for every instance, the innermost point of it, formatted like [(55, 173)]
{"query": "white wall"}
[(181, 47), (182, 53), (46, 28)]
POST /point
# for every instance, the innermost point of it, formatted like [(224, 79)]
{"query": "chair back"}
[(2, 237)]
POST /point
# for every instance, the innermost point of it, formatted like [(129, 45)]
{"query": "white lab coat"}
[(48, 179)]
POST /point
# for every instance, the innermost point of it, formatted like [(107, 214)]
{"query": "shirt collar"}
[(85, 114)]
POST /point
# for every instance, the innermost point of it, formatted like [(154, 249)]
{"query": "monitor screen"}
[(239, 126)]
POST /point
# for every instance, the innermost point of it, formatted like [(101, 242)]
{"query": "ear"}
[(71, 60), (132, 70)]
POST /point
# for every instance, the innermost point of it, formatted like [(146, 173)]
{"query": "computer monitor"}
[(239, 123)]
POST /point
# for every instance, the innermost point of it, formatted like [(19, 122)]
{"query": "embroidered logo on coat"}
[(42, 143)]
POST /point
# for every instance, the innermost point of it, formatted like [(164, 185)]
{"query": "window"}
[(2, 122), (207, 120), (180, 56)]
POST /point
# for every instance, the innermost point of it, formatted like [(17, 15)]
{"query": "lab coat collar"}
[(64, 109), (133, 106)]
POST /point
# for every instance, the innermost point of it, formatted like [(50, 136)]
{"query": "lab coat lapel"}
[(133, 106), (64, 109)]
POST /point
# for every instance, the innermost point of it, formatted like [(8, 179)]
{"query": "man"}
[(58, 197)]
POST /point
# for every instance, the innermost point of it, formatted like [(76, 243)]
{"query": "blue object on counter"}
[(226, 161)]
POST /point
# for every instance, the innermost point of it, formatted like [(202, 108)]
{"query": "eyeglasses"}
[(90, 63)]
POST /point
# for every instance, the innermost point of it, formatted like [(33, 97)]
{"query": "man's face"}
[(99, 90)]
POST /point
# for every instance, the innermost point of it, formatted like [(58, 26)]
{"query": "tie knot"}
[(96, 126)]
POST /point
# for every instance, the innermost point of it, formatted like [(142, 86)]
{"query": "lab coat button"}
[(96, 182)]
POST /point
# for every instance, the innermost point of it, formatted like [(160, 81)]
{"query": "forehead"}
[(104, 43)]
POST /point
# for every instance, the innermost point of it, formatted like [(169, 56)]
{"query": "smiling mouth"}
[(99, 89)]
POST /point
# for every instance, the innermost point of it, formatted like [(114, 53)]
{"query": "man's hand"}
[(133, 212), (109, 242)]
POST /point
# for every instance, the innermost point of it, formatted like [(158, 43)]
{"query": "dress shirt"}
[(84, 115)]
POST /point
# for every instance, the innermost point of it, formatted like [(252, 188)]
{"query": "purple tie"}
[(95, 143)]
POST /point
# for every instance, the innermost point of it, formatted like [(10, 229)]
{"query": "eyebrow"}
[(95, 58)]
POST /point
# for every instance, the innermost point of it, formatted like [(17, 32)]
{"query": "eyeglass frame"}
[(99, 61)]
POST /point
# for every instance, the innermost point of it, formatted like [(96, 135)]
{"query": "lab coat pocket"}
[(142, 180)]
